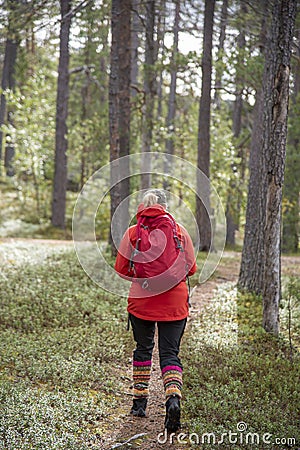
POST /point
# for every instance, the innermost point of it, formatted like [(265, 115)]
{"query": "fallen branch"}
[(120, 444)]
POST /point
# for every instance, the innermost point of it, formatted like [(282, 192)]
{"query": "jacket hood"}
[(150, 211)]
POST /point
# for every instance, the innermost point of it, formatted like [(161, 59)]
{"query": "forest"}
[(100, 101)]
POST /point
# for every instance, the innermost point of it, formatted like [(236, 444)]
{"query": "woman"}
[(146, 307)]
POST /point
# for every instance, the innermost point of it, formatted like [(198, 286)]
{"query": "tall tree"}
[(86, 99), (219, 62), (250, 276), (160, 51), (149, 91), (8, 78), (61, 143), (291, 213), (202, 212), (233, 200), (119, 111), (276, 95), (170, 125), (135, 42)]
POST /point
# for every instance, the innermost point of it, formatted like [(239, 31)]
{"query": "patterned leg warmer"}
[(141, 378), (172, 379)]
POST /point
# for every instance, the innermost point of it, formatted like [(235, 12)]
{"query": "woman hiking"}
[(157, 242)]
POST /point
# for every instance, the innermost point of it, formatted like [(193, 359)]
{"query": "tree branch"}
[(74, 11), (86, 69)]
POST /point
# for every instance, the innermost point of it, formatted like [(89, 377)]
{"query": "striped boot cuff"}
[(141, 378), (172, 379)]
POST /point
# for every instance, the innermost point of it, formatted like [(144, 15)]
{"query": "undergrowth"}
[(62, 343)]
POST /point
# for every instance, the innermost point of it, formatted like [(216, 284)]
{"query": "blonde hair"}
[(150, 199), (154, 197)]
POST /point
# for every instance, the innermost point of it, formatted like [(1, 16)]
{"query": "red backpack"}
[(158, 259)]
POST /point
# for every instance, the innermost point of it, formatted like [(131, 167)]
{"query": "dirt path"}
[(130, 432)]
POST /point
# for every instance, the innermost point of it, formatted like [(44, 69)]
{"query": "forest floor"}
[(36, 360)]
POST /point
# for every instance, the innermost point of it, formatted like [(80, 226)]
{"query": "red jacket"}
[(167, 306)]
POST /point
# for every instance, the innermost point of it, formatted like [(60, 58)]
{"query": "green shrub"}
[(62, 343)]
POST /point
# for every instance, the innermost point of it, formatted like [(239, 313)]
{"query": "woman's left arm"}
[(189, 251)]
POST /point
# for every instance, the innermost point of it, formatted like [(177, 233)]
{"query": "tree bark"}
[(135, 42), (61, 143), (149, 90), (290, 226), (12, 49), (250, 277), (170, 124), (161, 30), (219, 71), (203, 213), (233, 200), (85, 101), (8, 82), (276, 91), (119, 113)]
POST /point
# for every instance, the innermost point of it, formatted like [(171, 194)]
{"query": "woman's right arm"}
[(122, 263)]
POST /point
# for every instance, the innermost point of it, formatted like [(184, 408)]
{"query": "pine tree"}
[(203, 207), (61, 143), (276, 96)]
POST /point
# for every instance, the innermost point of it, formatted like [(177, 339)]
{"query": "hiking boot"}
[(139, 407), (172, 420)]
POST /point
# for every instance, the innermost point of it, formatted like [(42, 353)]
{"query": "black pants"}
[(169, 338)]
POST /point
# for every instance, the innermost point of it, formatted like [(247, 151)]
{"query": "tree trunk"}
[(9, 149), (203, 213), (250, 277), (119, 113), (230, 222), (149, 89), (85, 101), (170, 125), (219, 69), (161, 30), (8, 82), (135, 42), (61, 143), (233, 200), (276, 91), (290, 226)]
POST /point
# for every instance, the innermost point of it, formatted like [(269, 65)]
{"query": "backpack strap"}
[(178, 245), (139, 226), (175, 234)]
